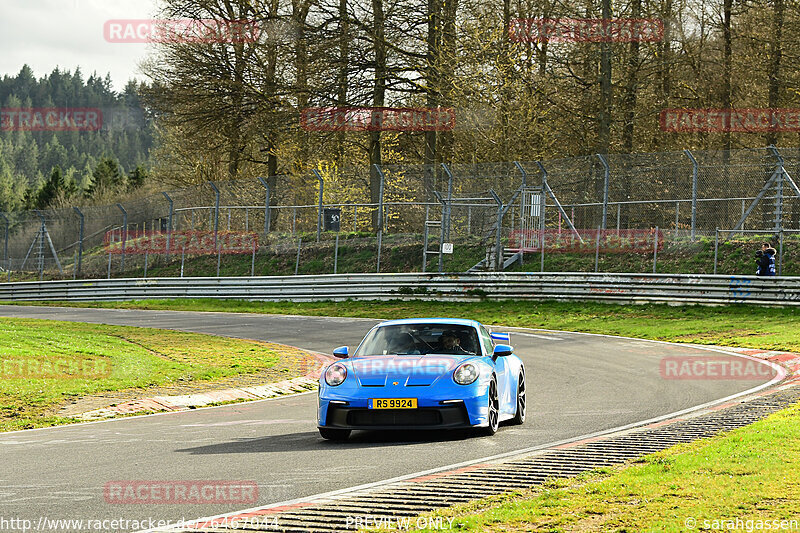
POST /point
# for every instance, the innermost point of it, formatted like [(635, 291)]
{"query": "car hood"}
[(406, 370)]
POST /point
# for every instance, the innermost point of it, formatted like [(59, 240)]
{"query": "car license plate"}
[(394, 403)]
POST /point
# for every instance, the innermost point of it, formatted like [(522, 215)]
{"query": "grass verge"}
[(748, 475), (49, 363), (734, 325)]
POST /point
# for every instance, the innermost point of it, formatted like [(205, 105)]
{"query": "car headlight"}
[(466, 374), (335, 374)]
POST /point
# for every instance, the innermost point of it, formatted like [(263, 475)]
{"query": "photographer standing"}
[(765, 259)]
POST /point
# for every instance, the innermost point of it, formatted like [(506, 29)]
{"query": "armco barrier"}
[(619, 288)]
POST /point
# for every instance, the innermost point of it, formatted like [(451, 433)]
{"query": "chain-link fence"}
[(688, 195)]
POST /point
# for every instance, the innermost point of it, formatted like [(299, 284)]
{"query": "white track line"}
[(545, 337)]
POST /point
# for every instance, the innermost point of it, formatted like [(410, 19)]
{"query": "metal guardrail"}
[(619, 288)]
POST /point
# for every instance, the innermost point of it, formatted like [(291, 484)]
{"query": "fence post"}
[(5, 246), (124, 235), (498, 253), (183, 257), (606, 176), (50, 244), (253, 261), (543, 216), (716, 248), (216, 211), (694, 191), (425, 234), (336, 255), (655, 250), (169, 223), (780, 256), (297, 261), (109, 263), (523, 172), (380, 214), (743, 211), (522, 187), (146, 258), (266, 206), (449, 208), (677, 215), (380, 245), (597, 251), (319, 209), (541, 259), (778, 190), (438, 196), (219, 258)]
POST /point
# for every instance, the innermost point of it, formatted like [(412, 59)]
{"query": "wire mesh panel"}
[(681, 193)]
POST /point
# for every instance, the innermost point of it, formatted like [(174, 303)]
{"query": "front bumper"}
[(450, 416)]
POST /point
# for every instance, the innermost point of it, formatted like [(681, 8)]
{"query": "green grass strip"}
[(734, 325), (46, 363)]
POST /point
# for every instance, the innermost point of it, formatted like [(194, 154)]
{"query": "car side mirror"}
[(502, 350), (341, 352)]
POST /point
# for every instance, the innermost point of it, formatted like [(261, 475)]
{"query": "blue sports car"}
[(430, 373)]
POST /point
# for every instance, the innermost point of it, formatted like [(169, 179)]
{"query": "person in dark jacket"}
[(766, 261)]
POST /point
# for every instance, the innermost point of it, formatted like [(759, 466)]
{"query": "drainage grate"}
[(408, 499)]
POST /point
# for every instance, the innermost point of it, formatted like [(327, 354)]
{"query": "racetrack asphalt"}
[(577, 384)]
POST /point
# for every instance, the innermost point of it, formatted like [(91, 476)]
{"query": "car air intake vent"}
[(394, 417)]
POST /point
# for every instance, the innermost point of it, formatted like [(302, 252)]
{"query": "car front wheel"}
[(493, 416), (519, 418)]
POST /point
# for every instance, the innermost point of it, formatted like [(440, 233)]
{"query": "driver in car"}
[(451, 344)]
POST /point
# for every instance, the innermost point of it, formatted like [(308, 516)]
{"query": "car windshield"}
[(420, 339)]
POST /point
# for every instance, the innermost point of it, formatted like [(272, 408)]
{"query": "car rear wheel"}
[(334, 434), (493, 417), (519, 418)]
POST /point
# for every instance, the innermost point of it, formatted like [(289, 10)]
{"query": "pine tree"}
[(106, 178)]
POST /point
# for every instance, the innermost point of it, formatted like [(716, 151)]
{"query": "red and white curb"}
[(790, 361)]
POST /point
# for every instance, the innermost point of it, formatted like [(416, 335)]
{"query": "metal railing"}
[(619, 288)]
